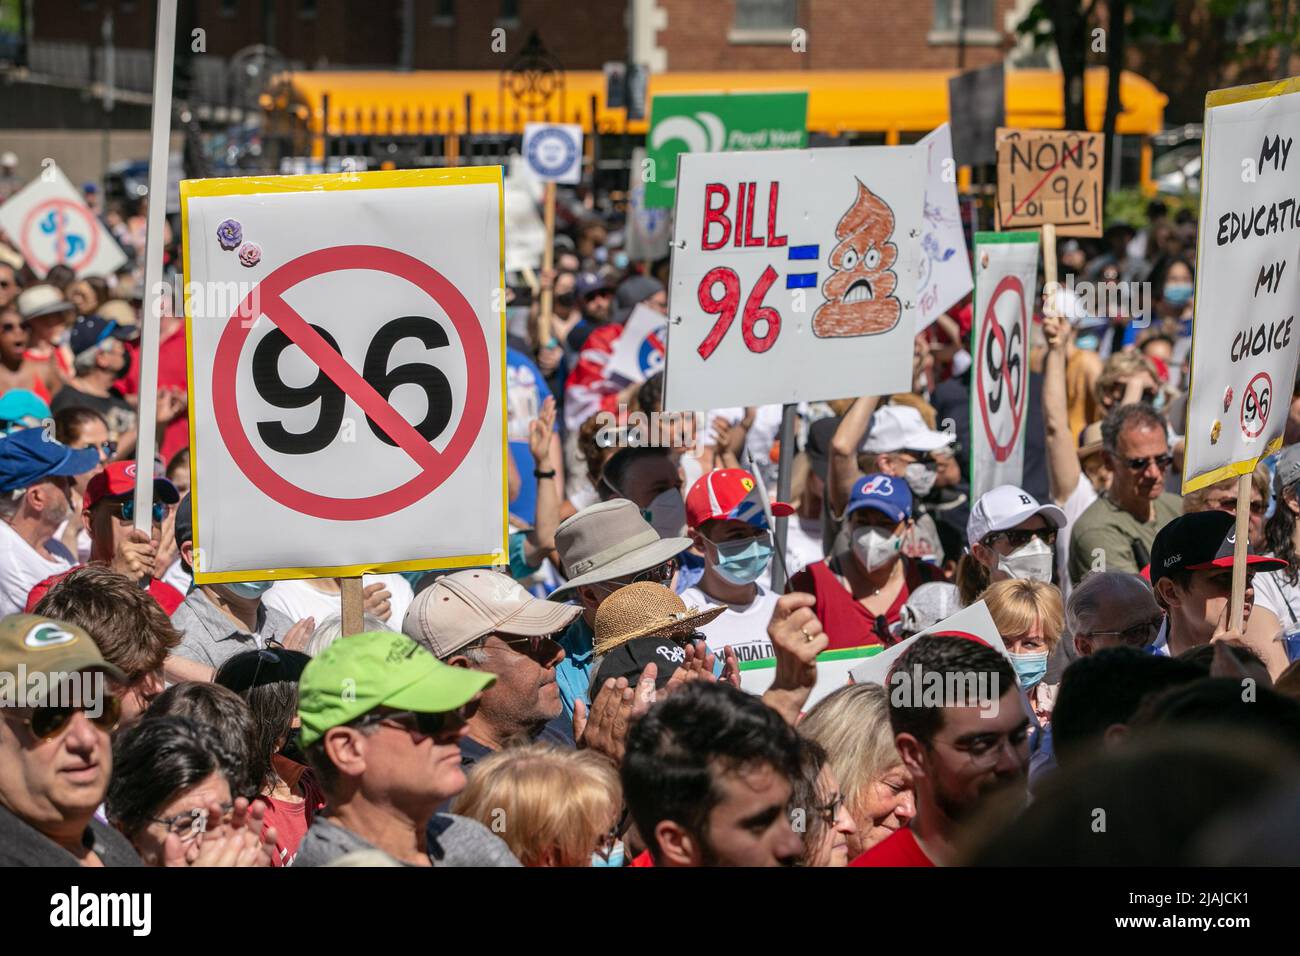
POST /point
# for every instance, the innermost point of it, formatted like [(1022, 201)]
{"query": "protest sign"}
[(977, 106), (793, 276), (715, 123), (1050, 176), (639, 350), (553, 151), (975, 620), (1006, 277), (525, 232), (945, 265), (347, 402), (833, 671), (51, 224), (1244, 342), (648, 231)]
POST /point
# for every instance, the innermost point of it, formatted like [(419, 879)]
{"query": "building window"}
[(766, 14), (229, 8), (307, 9), (948, 14), (444, 13), (509, 11)]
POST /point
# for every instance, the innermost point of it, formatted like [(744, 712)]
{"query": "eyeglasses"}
[(107, 449), (126, 511), (984, 749), (1142, 464), (1137, 635), (192, 824), (426, 724), (48, 722), (1019, 537), (831, 810), (609, 840)]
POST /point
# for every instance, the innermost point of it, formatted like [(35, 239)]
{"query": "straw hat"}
[(646, 609)]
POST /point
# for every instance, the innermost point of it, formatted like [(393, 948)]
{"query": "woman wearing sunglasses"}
[(1009, 536), (170, 795)]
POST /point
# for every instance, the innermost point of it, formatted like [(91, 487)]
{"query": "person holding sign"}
[(862, 587)]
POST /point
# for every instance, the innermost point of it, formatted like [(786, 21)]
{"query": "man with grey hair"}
[(100, 360), (1112, 609), (1117, 530)]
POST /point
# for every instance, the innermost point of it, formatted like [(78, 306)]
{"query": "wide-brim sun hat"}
[(610, 540)]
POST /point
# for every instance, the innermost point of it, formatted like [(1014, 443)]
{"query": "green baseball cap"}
[(37, 643), (357, 674)]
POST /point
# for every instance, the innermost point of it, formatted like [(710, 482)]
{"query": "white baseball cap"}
[(901, 428), (1005, 507)]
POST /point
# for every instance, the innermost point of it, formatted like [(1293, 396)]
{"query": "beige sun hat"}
[(610, 540), (646, 609)]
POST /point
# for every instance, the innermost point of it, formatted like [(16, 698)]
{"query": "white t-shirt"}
[(743, 626), (1083, 495), (300, 599), (22, 568), (1274, 593), (803, 546)]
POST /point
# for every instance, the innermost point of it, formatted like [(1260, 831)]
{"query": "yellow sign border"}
[(385, 179)]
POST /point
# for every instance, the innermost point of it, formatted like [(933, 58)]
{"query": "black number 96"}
[(272, 388)]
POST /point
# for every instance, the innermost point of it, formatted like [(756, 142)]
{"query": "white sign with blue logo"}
[(553, 151), (639, 351)]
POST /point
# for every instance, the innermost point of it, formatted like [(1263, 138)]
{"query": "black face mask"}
[(126, 365), (565, 299), (292, 749)]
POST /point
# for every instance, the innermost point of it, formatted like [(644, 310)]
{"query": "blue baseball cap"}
[(28, 456), (18, 404), (890, 496), (588, 282)]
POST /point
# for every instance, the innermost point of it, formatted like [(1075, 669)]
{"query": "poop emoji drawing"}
[(860, 291)]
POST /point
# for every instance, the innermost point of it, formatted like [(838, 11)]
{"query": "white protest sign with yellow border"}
[(346, 337), (1244, 339)]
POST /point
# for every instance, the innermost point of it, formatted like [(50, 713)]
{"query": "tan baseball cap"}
[(460, 608), (41, 644)]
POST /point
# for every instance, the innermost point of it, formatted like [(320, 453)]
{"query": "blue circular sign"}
[(552, 152)]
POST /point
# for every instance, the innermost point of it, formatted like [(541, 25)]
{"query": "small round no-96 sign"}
[(347, 407)]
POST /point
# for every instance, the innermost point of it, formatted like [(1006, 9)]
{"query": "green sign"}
[(715, 123)]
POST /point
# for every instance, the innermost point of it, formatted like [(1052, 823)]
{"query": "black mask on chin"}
[(292, 750), (126, 365)]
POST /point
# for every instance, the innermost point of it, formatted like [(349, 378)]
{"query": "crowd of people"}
[(592, 701)]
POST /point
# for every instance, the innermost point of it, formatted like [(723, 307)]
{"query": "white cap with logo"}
[(1005, 507), (901, 428)]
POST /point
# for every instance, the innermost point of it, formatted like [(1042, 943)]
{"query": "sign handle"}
[(783, 494), (151, 319), (548, 265), (1239, 554), (1049, 256), (353, 605)]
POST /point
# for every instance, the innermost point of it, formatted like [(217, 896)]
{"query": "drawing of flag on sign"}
[(51, 224), (639, 350)]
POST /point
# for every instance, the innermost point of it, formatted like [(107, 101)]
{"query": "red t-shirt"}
[(291, 819), (168, 598), (643, 859), (172, 374), (846, 622), (898, 849)]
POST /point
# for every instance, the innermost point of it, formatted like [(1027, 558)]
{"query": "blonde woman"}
[(1030, 617), (852, 726), (552, 807)]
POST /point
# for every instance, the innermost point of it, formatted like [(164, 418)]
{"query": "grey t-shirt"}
[(209, 637), (453, 841), (23, 845)]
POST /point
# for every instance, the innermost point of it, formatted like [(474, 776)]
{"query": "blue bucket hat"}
[(28, 457)]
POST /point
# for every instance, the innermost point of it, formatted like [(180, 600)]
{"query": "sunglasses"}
[(48, 722), (1142, 464), (12, 327), (660, 574), (526, 645), (126, 509), (425, 724), (108, 449), (1018, 538)]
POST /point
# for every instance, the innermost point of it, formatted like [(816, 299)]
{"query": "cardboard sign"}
[(945, 264), (1244, 336), (975, 620), (554, 151), (639, 350), (977, 105), (715, 123), (1006, 277), (50, 224), (1050, 176), (347, 395), (794, 273)]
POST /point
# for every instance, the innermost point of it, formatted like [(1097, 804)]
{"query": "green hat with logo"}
[(48, 646), (357, 674)]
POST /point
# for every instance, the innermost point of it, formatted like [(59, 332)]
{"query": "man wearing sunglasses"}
[(483, 620), (35, 478), (602, 548), (381, 720), (1117, 530), (100, 360), (55, 752)]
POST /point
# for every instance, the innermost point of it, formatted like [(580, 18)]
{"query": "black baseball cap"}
[(630, 658), (268, 665), (1200, 541)]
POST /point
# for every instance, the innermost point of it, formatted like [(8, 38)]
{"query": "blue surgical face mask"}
[(742, 562), (249, 590), (620, 260), (1178, 293), (1030, 668), (1088, 342), (615, 857)]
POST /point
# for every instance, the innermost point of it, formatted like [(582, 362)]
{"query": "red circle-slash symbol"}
[(65, 210), (435, 466), (1014, 384), (1258, 397)]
